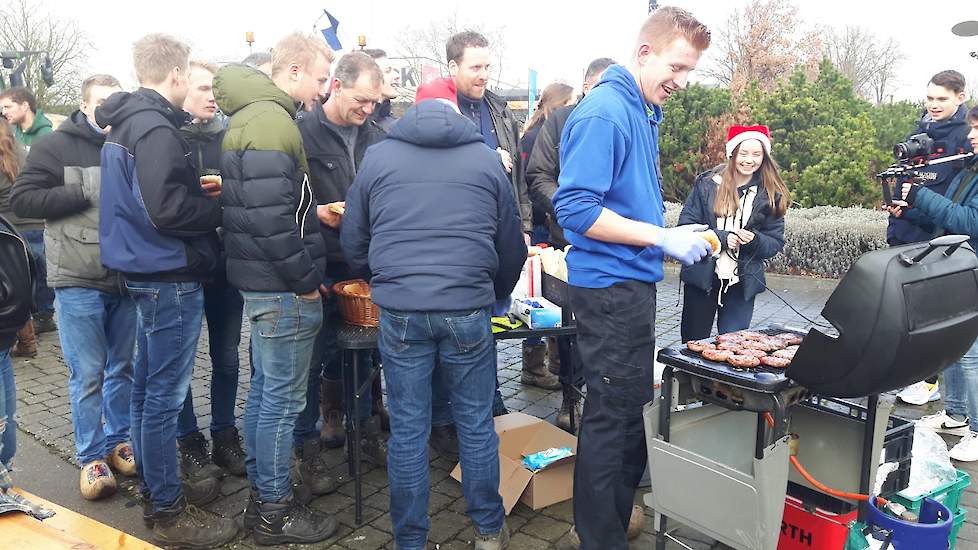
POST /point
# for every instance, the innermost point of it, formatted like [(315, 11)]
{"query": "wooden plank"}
[(77, 532)]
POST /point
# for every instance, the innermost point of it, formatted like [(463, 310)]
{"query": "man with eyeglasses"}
[(335, 137)]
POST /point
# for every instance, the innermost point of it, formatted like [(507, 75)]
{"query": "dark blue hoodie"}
[(431, 214), (951, 136), (608, 159), (155, 224)]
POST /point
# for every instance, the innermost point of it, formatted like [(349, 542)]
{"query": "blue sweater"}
[(609, 155), (956, 211)]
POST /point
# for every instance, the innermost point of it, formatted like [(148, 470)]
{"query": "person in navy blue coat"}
[(432, 217), (743, 202)]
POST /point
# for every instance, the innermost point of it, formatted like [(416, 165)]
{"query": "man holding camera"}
[(956, 212), (944, 122)]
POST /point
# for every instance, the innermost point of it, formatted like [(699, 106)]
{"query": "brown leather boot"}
[(535, 372), (571, 402), (332, 434), (26, 341), (553, 356)]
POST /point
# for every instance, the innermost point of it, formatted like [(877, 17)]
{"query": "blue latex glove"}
[(683, 244)]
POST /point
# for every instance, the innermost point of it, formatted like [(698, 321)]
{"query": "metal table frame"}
[(351, 339)]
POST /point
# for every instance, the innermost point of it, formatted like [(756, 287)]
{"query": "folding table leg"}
[(357, 487)]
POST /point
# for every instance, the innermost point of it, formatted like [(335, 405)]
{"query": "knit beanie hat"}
[(440, 88), (739, 134)]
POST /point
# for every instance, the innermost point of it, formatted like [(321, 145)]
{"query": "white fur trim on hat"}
[(744, 136)]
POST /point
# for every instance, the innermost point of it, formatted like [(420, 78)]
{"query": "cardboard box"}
[(546, 316), (521, 435)]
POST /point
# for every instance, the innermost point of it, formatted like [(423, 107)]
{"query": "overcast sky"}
[(558, 38)]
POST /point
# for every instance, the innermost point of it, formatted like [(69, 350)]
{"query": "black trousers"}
[(701, 308), (616, 337)]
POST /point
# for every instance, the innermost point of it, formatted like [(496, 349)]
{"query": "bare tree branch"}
[(865, 59), (762, 44), (25, 27)]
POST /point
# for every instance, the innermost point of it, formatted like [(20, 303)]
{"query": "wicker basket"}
[(355, 304)]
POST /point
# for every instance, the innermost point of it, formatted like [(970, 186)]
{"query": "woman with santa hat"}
[(743, 201)]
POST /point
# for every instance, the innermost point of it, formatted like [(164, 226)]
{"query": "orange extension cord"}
[(880, 501)]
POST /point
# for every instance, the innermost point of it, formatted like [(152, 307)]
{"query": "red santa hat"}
[(739, 134), (440, 88)]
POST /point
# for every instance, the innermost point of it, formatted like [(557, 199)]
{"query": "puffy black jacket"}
[(60, 183), (768, 232), (16, 283), (951, 137), (435, 240), (331, 171), (543, 168), (155, 223), (271, 232)]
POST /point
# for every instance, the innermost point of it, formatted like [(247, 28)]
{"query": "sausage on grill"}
[(775, 361), (744, 361), (718, 355), (699, 346)]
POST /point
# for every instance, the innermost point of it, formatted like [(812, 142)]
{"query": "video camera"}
[(912, 155)]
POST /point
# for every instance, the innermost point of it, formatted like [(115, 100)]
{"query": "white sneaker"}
[(920, 393), (967, 449), (942, 423)]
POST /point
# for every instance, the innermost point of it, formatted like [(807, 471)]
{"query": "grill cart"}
[(718, 437)]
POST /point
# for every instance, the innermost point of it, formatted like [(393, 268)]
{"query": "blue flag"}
[(330, 33)]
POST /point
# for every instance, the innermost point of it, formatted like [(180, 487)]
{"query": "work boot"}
[(373, 445), (635, 524), (122, 459), (498, 541), (228, 453), (571, 402), (289, 521), (195, 459), (300, 490), (96, 480), (184, 525), (332, 434), (377, 391), (444, 440), (250, 518), (201, 491), (535, 372), (26, 341), (553, 356), (44, 322), (313, 468)]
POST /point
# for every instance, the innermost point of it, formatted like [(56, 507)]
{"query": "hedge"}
[(823, 241)]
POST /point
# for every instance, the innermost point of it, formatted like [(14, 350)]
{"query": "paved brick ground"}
[(43, 412)]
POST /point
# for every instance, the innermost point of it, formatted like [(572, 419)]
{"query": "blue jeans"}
[(441, 408), (327, 362), (98, 339), (166, 341), (223, 309), (43, 295), (462, 344), (8, 406), (283, 333), (961, 387)]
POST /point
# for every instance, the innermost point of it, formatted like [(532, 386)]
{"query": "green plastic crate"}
[(956, 526), (949, 495)]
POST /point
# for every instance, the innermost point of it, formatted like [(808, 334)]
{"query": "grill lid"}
[(902, 314)]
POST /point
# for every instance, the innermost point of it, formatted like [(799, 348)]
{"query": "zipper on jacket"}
[(301, 221)]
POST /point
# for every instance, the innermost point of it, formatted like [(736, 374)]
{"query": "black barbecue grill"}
[(901, 314)]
